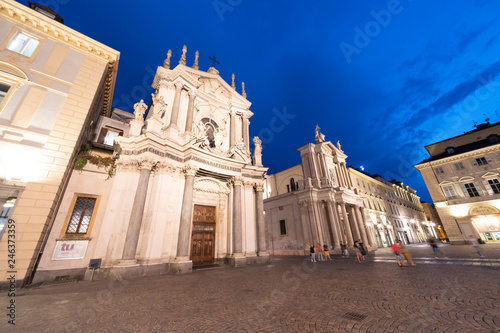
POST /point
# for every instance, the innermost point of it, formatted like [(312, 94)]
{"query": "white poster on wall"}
[(68, 249)]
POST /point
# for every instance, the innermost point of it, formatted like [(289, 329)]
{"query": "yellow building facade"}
[(462, 175), (54, 83)]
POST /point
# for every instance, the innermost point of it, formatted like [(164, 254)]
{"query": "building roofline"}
[(66, 35)]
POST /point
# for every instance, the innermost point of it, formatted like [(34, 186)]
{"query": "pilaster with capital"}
[(346, 225), (232, 124), (261, 228), (177, 103), (134, 226), (244, 125), (190, 113), (362, 226), (186, 215), (333, 223), (237, 216)]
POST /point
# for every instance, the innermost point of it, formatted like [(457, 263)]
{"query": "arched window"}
[(292, 185)]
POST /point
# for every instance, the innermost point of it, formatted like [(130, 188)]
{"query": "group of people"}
[(323, 253), (403, 257)]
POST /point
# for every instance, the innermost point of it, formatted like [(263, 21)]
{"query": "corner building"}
[(54, 83), (187, 190), (462, 175)]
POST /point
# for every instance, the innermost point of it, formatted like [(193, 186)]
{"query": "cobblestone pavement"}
[(289, 295)]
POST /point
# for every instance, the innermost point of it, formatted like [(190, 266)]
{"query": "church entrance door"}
[(203, 236)]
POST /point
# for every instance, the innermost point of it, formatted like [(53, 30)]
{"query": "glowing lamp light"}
[(19, 163), (458, 211)]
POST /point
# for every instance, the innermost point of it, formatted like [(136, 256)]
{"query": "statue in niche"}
[(318, 137), (139, 109)]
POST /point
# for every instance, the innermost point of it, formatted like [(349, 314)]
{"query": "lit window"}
[(107, 135), (23, 43), (481, 161), (459, 166), (110, 137), (471, 190), (81, 216), (282, 227), (495, 185)]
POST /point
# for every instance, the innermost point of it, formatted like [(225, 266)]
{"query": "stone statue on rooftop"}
[(139, 109), (318, 137)]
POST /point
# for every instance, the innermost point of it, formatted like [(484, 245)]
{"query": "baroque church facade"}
[(324, 201), (186, 189)]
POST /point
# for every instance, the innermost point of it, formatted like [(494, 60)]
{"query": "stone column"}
[(232, 129), (362, 226), (346, 225), (134, 226), (261, 227), (237, 220), (354, 220), (190, 113), (333, 223), (177, 103), (186, 216), (245, 124), (306, 230)]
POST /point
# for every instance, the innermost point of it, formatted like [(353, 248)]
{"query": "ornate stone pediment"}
[(210, 185)]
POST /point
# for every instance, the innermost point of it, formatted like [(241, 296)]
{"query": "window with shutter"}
[(481, 161), (471, 190), (494, 185), (439, 170), (459, 166)]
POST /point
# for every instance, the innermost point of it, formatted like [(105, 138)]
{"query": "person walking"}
[(475, 244), (345, 252), (405, 253), (362, 248), (435, 249), (397, 251), (357, 250), (320, 253), (313, 254), (327, 252)]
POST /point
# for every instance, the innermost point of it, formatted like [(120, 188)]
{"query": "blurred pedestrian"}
[(320, 253), (397, 251), (327, 252), (405, 253), (435, 248), (474, 243), (362, 248), (313, 255), (343, 249), (357, 250)]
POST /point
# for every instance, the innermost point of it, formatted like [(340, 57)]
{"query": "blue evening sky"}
[(383, 77)]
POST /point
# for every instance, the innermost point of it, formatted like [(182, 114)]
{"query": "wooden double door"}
[(203, 235)]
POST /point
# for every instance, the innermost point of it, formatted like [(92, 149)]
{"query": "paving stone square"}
[(291, 294)]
